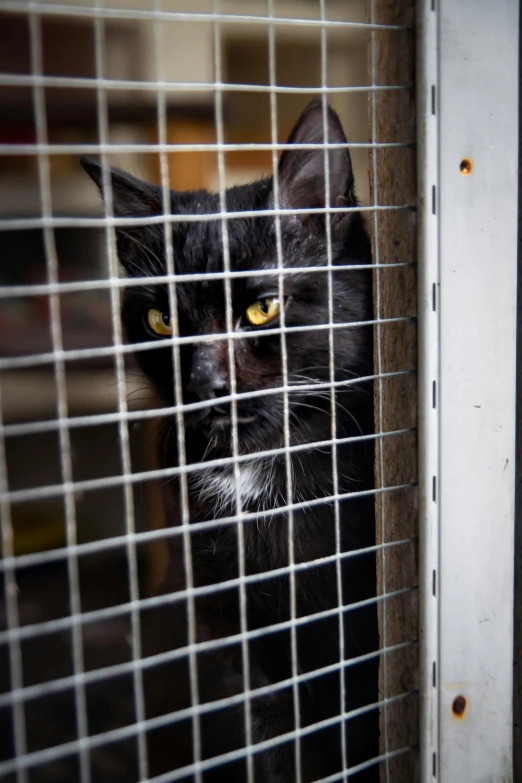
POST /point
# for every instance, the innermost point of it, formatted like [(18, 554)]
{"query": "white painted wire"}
[(121, 387), (61, 684), (57, 490), (58, 9), (286, 415), (380, 415), (75, 422), (114, 148), (21, 80), (14, 635), (73, 575), (116, 542), (185, 525), (243, 620), (333, 409), (41, 289), (14, 224), (96, 353), (52, 626)]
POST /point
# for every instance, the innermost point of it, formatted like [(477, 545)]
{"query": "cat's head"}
[(311, 292)]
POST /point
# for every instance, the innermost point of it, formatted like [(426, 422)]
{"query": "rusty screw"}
[(459, 706)]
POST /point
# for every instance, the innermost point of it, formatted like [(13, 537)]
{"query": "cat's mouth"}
[(219, 416)]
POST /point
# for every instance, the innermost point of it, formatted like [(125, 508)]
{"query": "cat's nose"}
[(208, 379)]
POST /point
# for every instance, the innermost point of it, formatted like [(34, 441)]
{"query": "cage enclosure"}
[(257, 390)]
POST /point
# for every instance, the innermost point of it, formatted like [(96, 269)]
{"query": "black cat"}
[(256, 308)]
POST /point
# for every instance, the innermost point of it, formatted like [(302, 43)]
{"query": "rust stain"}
[(459, 706), (466, 166)]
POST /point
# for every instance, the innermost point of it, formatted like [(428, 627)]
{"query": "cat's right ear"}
[(301, 171), (130, 198)]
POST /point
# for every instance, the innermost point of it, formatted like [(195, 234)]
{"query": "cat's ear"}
[(302, 172), (130, 196)]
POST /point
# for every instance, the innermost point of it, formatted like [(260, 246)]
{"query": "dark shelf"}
[(83, 114)]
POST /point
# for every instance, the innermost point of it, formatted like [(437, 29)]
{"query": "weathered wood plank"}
[(391, 61)]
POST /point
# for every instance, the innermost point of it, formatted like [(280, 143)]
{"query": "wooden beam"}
[(391, 61)]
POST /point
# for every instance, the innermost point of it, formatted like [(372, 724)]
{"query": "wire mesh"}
[(104, 656)]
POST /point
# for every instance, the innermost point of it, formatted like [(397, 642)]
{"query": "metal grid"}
[(25, 759)]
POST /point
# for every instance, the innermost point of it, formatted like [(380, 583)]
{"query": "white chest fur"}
[(218, 485)]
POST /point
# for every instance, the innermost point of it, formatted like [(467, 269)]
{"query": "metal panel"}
[(478, 120)]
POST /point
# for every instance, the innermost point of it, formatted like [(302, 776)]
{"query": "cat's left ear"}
[(302, 172), (130, 196)]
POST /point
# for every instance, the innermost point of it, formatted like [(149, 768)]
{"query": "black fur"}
[(198, 248)]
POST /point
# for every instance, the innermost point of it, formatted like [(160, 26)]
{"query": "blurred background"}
[(132, 60)]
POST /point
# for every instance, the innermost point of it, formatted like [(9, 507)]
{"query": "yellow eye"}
[(262, 311), (159, 322)]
